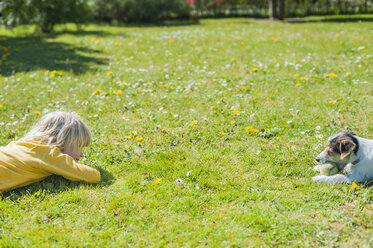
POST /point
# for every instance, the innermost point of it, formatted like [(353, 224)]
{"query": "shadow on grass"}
[(78, 33), (330, 19), (165, 23), (56, 184), (23, 54)]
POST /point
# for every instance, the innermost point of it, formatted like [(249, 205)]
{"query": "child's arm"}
[(61, 164)]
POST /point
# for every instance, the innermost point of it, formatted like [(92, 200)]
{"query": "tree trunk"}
[(272, 9), (340, 10), (366, 6), (281, 15)]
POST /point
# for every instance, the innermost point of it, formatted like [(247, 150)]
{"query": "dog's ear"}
[(346, 147)]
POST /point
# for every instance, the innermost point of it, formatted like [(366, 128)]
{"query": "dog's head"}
[(340, 149)]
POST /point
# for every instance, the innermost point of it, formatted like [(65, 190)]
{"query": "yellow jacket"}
[(23, 163)]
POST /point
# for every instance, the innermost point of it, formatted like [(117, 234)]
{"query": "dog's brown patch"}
[(332, 152), (346, 146)]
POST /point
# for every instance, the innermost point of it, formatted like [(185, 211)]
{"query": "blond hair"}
[(62, 129)]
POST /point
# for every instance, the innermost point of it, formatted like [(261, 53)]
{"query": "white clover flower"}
[(288, 122), (320, 136), (179, 180), (258, 152), (318, 127), (188, 173)]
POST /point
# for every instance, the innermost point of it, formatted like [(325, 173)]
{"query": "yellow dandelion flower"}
[(242, 42), (112, 90), (232, 122), (163, 130), (326, 75), (46, 72), (157, 180), (332, 74), (354, 186), (212, 107), (96, 91), (251, 130), (148, 84), (1, 106), (298, 84), (274, 39), (37, 112), (254, 69), (109, 73), (303, 78), (52, 74), (119, 92), (134, 133), (331, 102), (139, 139), (126, 59), (348, 74), (296, 75), (101, 94), (234, 59), (195, 42), (129, 137), (223, 134), (123, 83), (236, 112), (194, 123)]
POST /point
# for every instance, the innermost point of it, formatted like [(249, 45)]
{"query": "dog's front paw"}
[(320, 178)]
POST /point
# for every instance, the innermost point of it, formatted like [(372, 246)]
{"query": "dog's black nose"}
[(317, 159)]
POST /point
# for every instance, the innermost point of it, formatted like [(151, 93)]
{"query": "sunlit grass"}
[(205, 134)]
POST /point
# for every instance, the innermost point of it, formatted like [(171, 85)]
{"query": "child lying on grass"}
[(53, 146)]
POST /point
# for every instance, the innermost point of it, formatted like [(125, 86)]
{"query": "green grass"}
[(238, 188)]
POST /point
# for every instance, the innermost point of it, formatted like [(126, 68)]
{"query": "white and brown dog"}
[(352, 154)]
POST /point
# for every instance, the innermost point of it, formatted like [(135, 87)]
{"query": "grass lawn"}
[(205, 134)]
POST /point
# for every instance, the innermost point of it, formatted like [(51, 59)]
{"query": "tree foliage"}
[(44, 13), (139, 10), (47, 13), (279, 9)]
